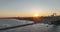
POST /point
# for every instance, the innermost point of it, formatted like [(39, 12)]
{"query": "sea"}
[(39, 27)]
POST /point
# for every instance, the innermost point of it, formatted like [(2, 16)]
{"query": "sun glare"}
[(35, 15)]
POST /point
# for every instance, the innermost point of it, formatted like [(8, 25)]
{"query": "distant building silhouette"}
[(54, 14)]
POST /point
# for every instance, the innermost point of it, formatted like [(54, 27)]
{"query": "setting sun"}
[(35, 15)]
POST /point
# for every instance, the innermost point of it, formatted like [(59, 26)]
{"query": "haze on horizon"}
[(27, 8)]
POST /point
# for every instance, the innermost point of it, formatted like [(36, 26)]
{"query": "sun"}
[(36, 15)]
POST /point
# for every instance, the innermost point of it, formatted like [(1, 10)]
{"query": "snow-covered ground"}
[(40, 27)]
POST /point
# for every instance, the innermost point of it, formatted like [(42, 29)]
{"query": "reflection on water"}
[(40, 27)]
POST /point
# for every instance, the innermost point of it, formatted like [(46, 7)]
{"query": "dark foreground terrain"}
[(43, 24)]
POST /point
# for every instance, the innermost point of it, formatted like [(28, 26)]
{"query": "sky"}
[(27, 8)]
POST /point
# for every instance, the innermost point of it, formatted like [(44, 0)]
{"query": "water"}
[(12, 22), (40, 27)]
